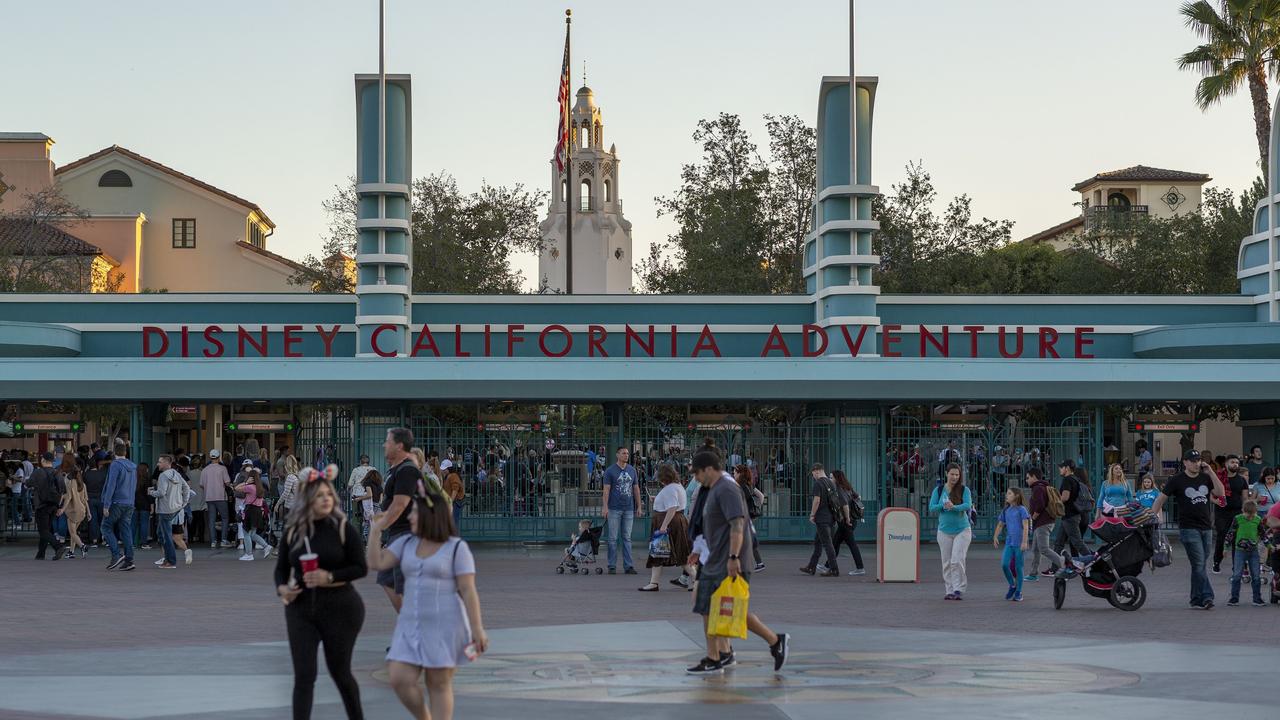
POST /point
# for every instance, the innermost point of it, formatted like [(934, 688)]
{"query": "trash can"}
[(898, 545)]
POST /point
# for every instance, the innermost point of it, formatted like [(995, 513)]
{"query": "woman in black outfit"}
[(844, 530), (321, 606)]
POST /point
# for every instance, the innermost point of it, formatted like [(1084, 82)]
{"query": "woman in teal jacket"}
[(952, 502)]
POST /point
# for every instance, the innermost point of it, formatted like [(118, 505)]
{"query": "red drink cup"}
[(310, 561)]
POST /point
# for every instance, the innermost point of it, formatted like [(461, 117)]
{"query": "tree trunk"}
[(1261, 115)]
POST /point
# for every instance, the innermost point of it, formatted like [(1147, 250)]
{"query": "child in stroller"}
[(584, 547), (1111, 572)]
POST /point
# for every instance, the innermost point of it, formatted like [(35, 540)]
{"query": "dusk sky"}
[(1009, 101)]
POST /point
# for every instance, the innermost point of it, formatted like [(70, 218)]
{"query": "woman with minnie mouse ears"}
[(321, 554)]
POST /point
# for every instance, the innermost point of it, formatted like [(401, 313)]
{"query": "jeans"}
[(619, 520), (1040, 546), (95, 521), (197, 526), (117, 528), (845, 536), (1240, 558), (1068, 536), (217, 517), (165, 530), (822, 537), (44, 523), (1011, 564), (1196, 542), (954, 548), (142, 527), (457, 516)]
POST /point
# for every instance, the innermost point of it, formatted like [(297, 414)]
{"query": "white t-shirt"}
[(671, 497)]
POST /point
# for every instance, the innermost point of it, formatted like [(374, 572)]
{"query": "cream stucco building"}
[(1137, 190), (601, 235), (157, 228)]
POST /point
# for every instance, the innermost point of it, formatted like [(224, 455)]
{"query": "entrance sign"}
[(23, 426), (252, 427), (1150, 427), (898, 537)]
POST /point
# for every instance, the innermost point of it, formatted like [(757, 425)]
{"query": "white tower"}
[(601, 236)]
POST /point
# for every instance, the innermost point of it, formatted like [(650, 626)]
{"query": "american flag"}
[(562, 132)]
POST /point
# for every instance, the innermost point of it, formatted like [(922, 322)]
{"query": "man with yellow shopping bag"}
[(723, 586)]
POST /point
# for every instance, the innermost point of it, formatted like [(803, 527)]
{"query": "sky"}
[(1008, 101)]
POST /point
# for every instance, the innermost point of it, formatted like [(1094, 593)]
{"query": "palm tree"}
[(1241, 42)]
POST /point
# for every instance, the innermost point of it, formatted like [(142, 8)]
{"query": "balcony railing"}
[(1104, 215)]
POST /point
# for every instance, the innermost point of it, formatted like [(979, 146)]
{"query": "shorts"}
[(393, 578), (707, 586)]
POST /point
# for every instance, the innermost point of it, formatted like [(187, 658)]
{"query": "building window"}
[(115, 178), (608, 191), (586, 195), (256, 238), (184, 232)]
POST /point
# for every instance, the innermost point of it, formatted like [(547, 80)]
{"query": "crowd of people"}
[(1219, 512)]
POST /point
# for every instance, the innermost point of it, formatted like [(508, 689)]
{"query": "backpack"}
[(753, 505), (831, 497), (1053, 505), (857, 510), (47, 486), (1083, 501)]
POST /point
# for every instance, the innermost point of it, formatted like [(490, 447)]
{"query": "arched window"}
[(586, 195), (564, 190), (608, 191), (115, 178), (585, 135), (1118, 200)]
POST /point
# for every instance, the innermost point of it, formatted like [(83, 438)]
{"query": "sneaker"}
[(127, 566), (759, 568), (213, 545), (144, 546), (821, 568), (1259, 603), (1233, 602), (159, 562), (857, 572), (68, 554), (1008, 595), (832, 572), (1049, 573), (807, 570), (115, 564), (167, 566), (84, 550), (613, 571), (227, 544), (959, 596), (1031, 578), (187, 556), (266, 550), (1217, 569), (681, 581), (1017, 597), (247, 558), (706, 667), (58, 554), (629, 571), (949, 596), (780, 651), (728, 661), (1208, 605)]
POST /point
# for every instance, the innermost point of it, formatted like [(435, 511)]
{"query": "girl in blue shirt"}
[(952, 501), (1018, 521), (1148, 492)]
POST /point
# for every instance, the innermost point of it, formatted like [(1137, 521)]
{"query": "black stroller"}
[(1112, 572), (584, 548)]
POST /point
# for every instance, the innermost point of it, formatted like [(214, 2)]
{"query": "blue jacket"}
[(122, 484)]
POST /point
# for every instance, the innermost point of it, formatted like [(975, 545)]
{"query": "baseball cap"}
[(47, 457), (214, 453), (1191, 455), (1068, 464), (100, 456), (247, 463), (446, 464)]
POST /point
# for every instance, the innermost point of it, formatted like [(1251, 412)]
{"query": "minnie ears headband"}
[(428, 488), (312, 476)]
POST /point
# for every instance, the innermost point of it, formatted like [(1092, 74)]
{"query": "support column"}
[(615, 426), (384, 247)]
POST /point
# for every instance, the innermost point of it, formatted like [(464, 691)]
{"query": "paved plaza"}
[(208, 641)]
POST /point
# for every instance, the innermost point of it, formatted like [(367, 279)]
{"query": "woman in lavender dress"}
[(439, 627)]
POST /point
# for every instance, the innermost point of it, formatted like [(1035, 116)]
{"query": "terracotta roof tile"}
[(23, 237), (170, 171), (267, 253), (1142, 173), (1056, 230)]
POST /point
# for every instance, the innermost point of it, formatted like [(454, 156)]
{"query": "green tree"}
[(922, 251), (1241, 38), (742, 218), (462, 242)]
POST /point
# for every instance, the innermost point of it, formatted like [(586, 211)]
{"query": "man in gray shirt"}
[(724, 525)]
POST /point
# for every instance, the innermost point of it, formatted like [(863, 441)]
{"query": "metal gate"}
[(994, 453)]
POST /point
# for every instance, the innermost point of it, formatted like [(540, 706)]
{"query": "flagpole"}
[(568, 162)]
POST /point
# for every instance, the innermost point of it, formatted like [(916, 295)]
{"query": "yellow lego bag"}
[(728, 616)]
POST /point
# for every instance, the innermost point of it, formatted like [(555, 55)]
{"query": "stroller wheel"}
[(1128, 593), (599, 571), (1059, 593), (560, 570)]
